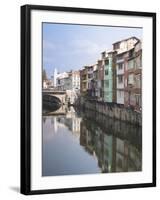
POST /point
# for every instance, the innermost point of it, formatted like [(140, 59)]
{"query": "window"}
[(58, 81), (131, 79), (138, 62), (120, 66), (106, 62), (106, 83), (138, 81), (138, 99), (130, 64), (131, 53), (119, 57), (125, 82), (120, 94), (103, 54), (89, 75), (116, 46), (132, 98), (106, 72), (120, 79)]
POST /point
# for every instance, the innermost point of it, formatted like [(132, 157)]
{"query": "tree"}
[(44, 75)]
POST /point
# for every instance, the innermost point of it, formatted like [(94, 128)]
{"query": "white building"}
[(75, 124), (75, 80), (45, 86), (74, 86), (72, 95), (69, 82), (125, 45), (60, 81), (120, 68)]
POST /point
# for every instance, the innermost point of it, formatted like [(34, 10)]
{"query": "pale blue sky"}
[(67, 46)]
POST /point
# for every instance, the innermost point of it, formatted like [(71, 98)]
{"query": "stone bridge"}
[(56, 96)]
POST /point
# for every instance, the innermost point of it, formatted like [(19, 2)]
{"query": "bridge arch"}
[(52, 99), (61, 95), (51, 103)]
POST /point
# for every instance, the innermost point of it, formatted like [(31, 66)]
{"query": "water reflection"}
[(83, 143)]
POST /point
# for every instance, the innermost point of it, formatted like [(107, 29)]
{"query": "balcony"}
[(120, 71), (120, 60), (120, 85)]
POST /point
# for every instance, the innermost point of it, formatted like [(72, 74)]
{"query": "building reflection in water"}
[(72, 121), (116, 146)]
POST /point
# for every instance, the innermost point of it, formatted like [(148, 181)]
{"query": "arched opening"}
[(51, 103)]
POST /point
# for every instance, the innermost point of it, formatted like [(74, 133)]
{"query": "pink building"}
[(100, 75), (133, 78)]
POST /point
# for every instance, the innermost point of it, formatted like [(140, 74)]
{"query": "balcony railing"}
[(120, 60)]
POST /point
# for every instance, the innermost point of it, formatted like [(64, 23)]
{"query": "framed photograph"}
[(88, 99)]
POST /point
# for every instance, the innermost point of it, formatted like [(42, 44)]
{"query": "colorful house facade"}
[(123, 48), (100, 83), (110, 77), (121, 60), (133, 83), (83, 81), (138, 76), (115, 78)]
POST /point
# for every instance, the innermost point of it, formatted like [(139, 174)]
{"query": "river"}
[(88, 143)]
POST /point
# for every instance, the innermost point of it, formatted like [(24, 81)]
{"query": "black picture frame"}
[(26, 98)]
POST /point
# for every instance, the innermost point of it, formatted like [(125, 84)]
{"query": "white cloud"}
[(74, 47), (76, 52), (88, 47)]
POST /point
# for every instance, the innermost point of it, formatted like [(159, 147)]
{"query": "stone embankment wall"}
[(112, 110)]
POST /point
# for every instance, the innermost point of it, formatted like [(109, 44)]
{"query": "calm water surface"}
[(87, 143)]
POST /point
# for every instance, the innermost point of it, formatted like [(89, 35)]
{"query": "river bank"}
[(112, 110)]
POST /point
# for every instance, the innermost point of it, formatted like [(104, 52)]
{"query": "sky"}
[(70, 47)]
